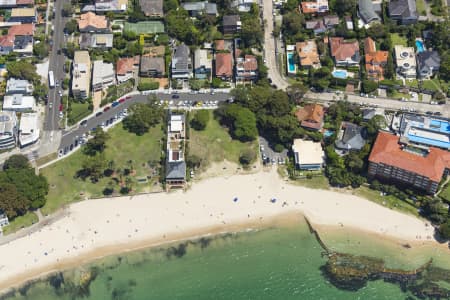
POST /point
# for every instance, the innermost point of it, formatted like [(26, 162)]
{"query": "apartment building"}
[(175, 162), (103, 75), (81, 74), (8, 129)]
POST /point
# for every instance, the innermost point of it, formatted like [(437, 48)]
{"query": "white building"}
[(405, 59), (243, 5), (308, 154), (8, 129), (18, 86), (81, 74), (19, 103), (103, 75), (28, 129)]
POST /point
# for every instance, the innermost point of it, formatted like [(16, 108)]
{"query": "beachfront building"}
[(351, 137), (308, 155), (344, 53), (311, 116), (28, 129), (175, 162), (405, 59), (81, 74), (8, 129), (418, 167)]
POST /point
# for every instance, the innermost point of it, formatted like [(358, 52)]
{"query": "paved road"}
[(56, 63), (269, 47), (93, 121)]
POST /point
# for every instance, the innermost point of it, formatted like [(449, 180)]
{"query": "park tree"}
[(200, 120), (354, 162), (93, 167), (16, 161), (142, 117), (97, 143), (444, 230), (240, 120), (246, 157), (193, 161), (12, 202)]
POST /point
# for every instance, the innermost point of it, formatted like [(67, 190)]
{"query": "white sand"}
[(92, 226)]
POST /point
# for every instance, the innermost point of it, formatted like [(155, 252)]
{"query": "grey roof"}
[(367, 11), (331, 20), (152, 63), (209, 8), (175, 170), (22, 41), (152, 7), (368, 114), (96, 40), (352, 139), (181, 57), (231, 20), (402, 8), (428, 61)]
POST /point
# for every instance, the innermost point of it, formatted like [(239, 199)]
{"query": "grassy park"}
[(126, 150), (214, 143), (20, 222)]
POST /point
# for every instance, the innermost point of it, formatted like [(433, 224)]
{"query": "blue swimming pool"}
[(419, 46), (328, 133), (340, 74), (291, 62)]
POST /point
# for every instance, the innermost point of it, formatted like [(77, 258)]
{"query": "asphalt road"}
[(93, 121), (56, 64)]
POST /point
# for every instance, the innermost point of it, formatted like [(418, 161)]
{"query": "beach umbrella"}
[(273, 200), (235, 199)]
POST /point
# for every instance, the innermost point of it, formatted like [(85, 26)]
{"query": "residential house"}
[(368, 114), (23, 45), (96, 40), (118, 6), (307, 54), (175, 163), (246, 68), (314, 7), (366, 12), (231, 24), (181, 67), (308, 155), (90, 22), (29, 129), (345, 53), (219, 45), (152, 66), (15, 3), (311, 116), (403, 11), (199, 8), (224, 66), (8, 129), (19, 103), (348, 22), (152, 8), (23, 15), (316, 25), (351, 137), (243, 5), (81, 74), (428, 63), (19, 86), (22, 29), (331, 21), (125, 68), (6, 44), (405, 59), (375, 60), (103, 75), (19, 39), (202, 64), (390, 160)]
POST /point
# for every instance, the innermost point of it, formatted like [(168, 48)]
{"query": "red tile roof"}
[(125, 65), (22, 29), (6, 41), (387, 150), (219, 45), (309, 7), (310, 116), (341, 49), (224, 65), (369, 45), (250, 63), (24, 2)]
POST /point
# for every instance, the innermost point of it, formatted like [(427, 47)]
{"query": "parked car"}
[(98, 114), (175, 96), (121, 100), (114, 104), (106, 108), (83, 123)]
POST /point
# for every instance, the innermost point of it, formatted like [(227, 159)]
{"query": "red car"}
[(121, 100), (128, 97), (106, 108), (60, 107)]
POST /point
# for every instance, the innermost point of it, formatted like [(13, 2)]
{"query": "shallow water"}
[(275, 263)]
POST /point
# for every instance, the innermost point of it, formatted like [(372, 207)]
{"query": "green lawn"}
[(398, 40), (412, 83), (420, 4), (397, 95), (316, 182), (78, 112), (387, 201), (214, 144), (20, 222), (432, 85), (121, 148), (445, 194)]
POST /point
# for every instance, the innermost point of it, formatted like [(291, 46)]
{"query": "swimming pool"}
[(419, 46), (291, 62), (340, 74), (328, 133)]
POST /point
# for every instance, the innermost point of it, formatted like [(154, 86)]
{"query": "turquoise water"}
[(276, 263), (291, 63), (419, 46), (339, 74)]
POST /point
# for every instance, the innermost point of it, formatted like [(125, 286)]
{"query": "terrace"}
[(426, 131)]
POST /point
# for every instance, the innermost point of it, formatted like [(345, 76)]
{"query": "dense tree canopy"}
[(240, 120), (200, 120), (23, 70), (97, 143), (16, 161), (142, 117)]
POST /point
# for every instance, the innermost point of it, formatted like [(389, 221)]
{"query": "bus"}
[(51, 79)]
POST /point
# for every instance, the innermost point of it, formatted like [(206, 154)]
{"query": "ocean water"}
[(282, 262)]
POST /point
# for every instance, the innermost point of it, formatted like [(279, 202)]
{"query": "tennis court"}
[(146, 27)]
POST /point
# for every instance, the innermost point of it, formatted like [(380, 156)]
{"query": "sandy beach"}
[(95, 228)]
